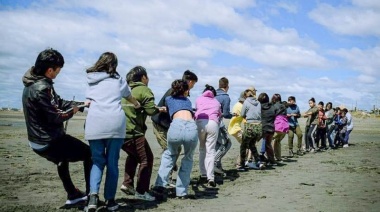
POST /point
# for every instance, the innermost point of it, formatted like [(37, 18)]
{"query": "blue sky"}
[(329, 50)]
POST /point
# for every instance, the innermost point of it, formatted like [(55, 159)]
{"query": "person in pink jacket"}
[(281, 124), (207, 116)]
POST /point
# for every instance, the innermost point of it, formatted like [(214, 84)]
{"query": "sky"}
[(326, 49)]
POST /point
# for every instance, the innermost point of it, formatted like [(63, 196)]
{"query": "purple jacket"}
[(208, 107)]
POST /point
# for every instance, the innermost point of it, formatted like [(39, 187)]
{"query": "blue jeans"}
[(105, 152), (181, 132), (331, 135), (262, 150), (347, 136)]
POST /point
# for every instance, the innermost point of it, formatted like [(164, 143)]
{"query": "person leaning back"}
[(45, 113)]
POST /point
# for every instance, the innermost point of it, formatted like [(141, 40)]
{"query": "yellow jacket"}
[(235, 124)]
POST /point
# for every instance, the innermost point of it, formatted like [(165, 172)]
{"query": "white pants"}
[(208, 131)]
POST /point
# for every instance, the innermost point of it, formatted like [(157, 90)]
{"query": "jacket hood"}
[(208, 94), (29, 78), (95, 77), (252, 100), (135, 84)]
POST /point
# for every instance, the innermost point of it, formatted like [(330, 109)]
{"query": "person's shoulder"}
[(42, 84), (168, 98)]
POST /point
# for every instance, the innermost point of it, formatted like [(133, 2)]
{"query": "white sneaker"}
[(146, 196), (345, 146), (261, 166), (251, 165)]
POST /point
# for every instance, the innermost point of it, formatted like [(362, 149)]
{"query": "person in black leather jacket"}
[(45, 112)]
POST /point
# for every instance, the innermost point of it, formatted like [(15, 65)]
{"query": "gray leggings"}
[(222, 146)]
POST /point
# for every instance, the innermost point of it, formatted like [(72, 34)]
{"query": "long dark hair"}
[(107, 62)]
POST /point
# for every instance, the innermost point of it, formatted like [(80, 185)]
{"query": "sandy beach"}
[(346, 179)]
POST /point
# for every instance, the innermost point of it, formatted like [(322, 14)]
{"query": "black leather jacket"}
[(44, 111)]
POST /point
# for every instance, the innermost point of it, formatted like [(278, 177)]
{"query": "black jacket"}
[(44, 110), (268, 114), (163, 119)]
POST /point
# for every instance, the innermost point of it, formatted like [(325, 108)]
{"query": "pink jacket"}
[(281, 124), (208, 107)]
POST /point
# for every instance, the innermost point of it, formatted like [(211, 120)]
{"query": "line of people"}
[(335, 124), (116, 119)]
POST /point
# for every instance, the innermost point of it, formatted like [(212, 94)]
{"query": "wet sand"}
[(340, 180)]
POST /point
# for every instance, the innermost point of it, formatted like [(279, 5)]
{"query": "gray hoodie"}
[(105, 118), (251, 110)]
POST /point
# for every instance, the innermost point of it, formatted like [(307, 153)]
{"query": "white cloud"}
[(374, 4), (159, 36), (349, 20), (289, 7), (366, 61)]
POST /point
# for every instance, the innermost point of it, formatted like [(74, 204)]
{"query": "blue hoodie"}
[(225, 102), (293, 120), (105, 118)]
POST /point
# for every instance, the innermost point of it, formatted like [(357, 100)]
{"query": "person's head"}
[(329, 106), (242, 97), (337, 110), (276, 98), (285, 103), (253, 90), (343, 112), (320, 105), (248, 93), (107, 62), (263, 98), (190, 77), (138, 74), (209, 88), (223, 83), (48, 63), (291, 100), (179, 88), (312, 102)]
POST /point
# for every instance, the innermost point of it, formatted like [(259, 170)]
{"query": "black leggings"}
[(311, 136), (64, 150)]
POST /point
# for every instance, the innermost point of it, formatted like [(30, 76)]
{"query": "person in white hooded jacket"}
[(105, 126)]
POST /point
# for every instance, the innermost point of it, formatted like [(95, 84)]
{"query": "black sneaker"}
[(211, 184), (242, 168), (291, 153), (77, 196), (263, 158), (112, 205), (300, 152), (202, 179), (93, 203)]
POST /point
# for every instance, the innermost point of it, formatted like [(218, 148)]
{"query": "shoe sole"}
[(142, 198), (74, 201), (113, 208), (91, 208)]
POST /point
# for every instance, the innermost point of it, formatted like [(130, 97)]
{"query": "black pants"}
[(311, 136), (321, 136), (306, 138), (64, 150)]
